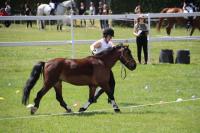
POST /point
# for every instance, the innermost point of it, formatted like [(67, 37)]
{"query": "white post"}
[(149, 38), (49, 24), (72, 35), (72, 31)]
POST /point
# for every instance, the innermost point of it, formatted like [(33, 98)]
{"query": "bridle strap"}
[(122, 59), (123, 71)]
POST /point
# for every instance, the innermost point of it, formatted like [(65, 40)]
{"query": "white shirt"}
[(92, 10), (104, 46), (8, 9)]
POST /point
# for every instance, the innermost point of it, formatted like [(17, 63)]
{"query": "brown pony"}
[(93, 71), (179, 20)]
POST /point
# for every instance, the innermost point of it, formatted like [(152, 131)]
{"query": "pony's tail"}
[(34, 76), (159, 24)]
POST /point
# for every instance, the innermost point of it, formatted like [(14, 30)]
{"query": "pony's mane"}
[(109, 50)]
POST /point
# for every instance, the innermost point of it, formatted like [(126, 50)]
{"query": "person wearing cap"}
[(141, 31), (103, 43), (100, 46)]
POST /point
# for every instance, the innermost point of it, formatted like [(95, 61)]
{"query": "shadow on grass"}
[(128, 104), (85, 114)]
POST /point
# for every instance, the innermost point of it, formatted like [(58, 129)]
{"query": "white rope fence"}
[(96, 111), (113, 17), (130, 40)]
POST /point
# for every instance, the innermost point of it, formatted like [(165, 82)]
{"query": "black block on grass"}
[(183, 57), (166, 56)]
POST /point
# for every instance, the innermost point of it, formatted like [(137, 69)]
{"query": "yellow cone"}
[(17, 91), (1, 98)]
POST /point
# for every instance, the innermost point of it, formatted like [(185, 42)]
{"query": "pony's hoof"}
[(33, 110), (69, 110), (82, 110), (117, 110)]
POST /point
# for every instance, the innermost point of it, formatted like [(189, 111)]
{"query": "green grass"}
[(166, 82), (20, 33)]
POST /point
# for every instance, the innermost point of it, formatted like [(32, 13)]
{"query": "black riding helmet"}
[(108, 31)]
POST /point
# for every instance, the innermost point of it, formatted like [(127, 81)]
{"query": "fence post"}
[(149, 38), (72, 35)]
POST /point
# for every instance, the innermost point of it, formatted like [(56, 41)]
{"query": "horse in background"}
[(62, 8), (179, 20)]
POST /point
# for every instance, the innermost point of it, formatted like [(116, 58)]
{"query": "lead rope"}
[(123, 72)]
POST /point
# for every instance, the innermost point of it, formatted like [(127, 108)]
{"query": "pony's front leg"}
[(90, 100), (99, 90), (115, 106), (111, 97)]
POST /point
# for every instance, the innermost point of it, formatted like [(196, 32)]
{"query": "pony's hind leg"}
[(38, 98), (90, 100), (58, 90)]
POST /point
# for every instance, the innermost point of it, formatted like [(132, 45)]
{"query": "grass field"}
[(148, 84)]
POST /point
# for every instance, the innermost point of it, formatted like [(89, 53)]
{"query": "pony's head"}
[(126, 57)]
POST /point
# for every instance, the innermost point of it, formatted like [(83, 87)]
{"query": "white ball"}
[(179, 100)]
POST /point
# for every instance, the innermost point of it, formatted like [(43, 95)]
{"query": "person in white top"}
[(98, 47), (104, 43)]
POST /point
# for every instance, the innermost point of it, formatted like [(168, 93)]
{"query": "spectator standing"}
[(3, 13), (141, 32), (28, 13), (8, 8), (82, 10), (105, 12), (7, 12), (92, 12), (137, 10), (100, 12), (189, 7)]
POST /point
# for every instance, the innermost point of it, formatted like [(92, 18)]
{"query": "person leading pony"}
[(98, 47)]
